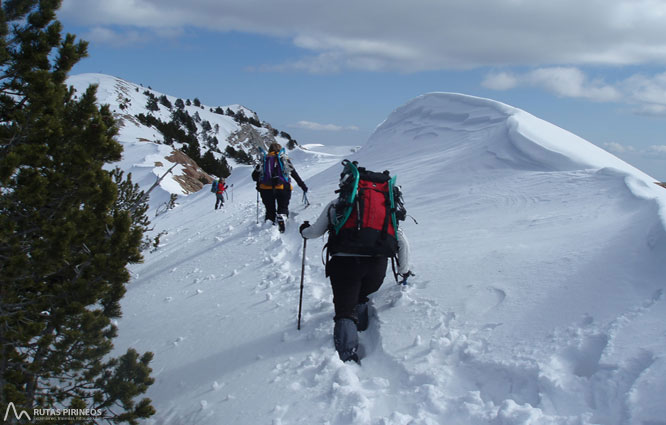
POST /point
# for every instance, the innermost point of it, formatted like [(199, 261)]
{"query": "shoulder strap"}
[(350, 202), (281, 164), (391, 185)]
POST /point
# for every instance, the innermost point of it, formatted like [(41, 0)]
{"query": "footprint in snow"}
[(485, 300)]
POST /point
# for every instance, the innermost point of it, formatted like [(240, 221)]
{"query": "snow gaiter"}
[(345, 337)]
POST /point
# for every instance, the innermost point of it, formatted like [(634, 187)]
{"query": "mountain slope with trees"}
[(217, 139)]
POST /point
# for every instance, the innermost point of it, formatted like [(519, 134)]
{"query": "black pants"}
[(352, 280), (275, 201)]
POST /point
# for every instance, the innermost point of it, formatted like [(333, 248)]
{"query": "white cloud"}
[(646, 94), (651, 152), (114, 38), (500, 81), (136, 13), (647, 91), (561, 81), (328, 63), (572, 82), (415, 35), (309, 125), (650, 109), (618, 147), (657, 150)]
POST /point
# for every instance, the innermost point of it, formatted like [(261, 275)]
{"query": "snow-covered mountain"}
[(148, 156), (538, 296)]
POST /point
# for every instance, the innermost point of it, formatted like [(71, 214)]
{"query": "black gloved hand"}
[(303, 226), (304, 188)]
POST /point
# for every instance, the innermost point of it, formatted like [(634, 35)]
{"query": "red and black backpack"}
[(366, 213)]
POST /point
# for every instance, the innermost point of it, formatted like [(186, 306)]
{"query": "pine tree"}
[(165, 101), (211, 165), (151, 104), (66, 236)]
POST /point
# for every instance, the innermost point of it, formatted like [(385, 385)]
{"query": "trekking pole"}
[(232, 193), (300, 300), (257, 207)]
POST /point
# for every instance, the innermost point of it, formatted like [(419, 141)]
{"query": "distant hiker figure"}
[(273, 177), (362, 226), (218, 187)]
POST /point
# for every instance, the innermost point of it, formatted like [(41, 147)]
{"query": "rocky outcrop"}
[(248, 138), (193, 177)]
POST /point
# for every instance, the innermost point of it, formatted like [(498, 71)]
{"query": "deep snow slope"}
[(538, 296)]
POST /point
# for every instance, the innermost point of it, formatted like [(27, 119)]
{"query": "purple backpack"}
[(274, 173)]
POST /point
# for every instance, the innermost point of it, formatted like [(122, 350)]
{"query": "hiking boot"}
[(281, 223), (350, 357), (345, 337)]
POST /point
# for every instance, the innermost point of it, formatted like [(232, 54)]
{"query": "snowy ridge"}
[(442, 121), (538, 296), (521, 135)]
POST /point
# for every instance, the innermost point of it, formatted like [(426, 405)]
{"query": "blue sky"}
[(330, 72)]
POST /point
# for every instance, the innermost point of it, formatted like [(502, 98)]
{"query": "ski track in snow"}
[(538, 299)]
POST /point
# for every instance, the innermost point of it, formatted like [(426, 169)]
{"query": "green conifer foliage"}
[(66, 236)]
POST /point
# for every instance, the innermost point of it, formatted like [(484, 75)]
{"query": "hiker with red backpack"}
[(218, 187), (273, 177), (363, 233)]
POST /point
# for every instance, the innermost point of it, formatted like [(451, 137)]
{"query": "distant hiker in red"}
[(273, 177), (218, 187), (362, 226)]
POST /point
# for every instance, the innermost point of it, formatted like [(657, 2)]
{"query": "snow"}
[(538, 296)]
